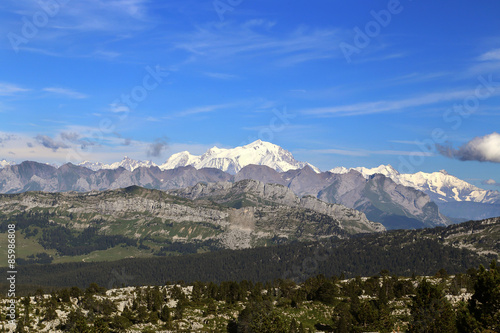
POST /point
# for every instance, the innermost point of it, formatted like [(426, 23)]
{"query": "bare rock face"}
[(383, 200), (251, 193), (236, 215), (33, 176), (261, 173)]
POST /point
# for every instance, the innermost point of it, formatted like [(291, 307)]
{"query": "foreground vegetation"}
[(461, 303)]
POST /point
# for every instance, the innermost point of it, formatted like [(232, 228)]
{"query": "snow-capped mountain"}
[(127, 163), (179, 160), (227, 160), (233, 160), (440, 186), (130, 164), (4, 163), (94, 166)]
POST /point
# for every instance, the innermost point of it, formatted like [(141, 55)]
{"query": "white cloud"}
[(8, 89), (365, 152), (65, 92), (490, 182), (65, 32), (221, 76), (482, 149), (203, 109), (75, 144), (391, 106), (248, 40), (490, 55)]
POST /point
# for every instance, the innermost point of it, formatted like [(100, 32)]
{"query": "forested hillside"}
[(403, 252)]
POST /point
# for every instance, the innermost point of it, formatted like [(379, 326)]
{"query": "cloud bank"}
[(483, 149)]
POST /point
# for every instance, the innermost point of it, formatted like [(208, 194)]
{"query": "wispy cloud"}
[(79, 28), (486, 63), (248, 40), (202, 109), (390, 106), (8, 89), (220, 76), (417, 77), (490, 55), (366, 152), (383, 57), (89, 15), (65, 92)]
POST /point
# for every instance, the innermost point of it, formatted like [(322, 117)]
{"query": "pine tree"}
[(430, 311), (293, 327), (484, 304)]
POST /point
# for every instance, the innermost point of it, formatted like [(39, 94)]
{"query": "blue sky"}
[(338, 83)]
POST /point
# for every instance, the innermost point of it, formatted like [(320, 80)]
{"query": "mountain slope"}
[(33, 176), (4, 163), (455, 248), (456, 198), (381, 199), (251, 193), (135, 221), (438, 185)]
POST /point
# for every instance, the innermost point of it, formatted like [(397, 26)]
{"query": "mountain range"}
[(382, 193), (455, 197), (227, 160)]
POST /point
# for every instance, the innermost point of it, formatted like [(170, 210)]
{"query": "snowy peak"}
[(181, 159), (5, 163), (127, 163), (440, 186), (94, 166), (227, 160), (446, 187), (233, 160), (386, 170)]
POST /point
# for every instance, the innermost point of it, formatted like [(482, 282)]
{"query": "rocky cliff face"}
[(251, 193), (379, 197), (276, 215), (396, 206)]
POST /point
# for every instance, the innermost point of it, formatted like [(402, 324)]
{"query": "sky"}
[(414, 84)]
